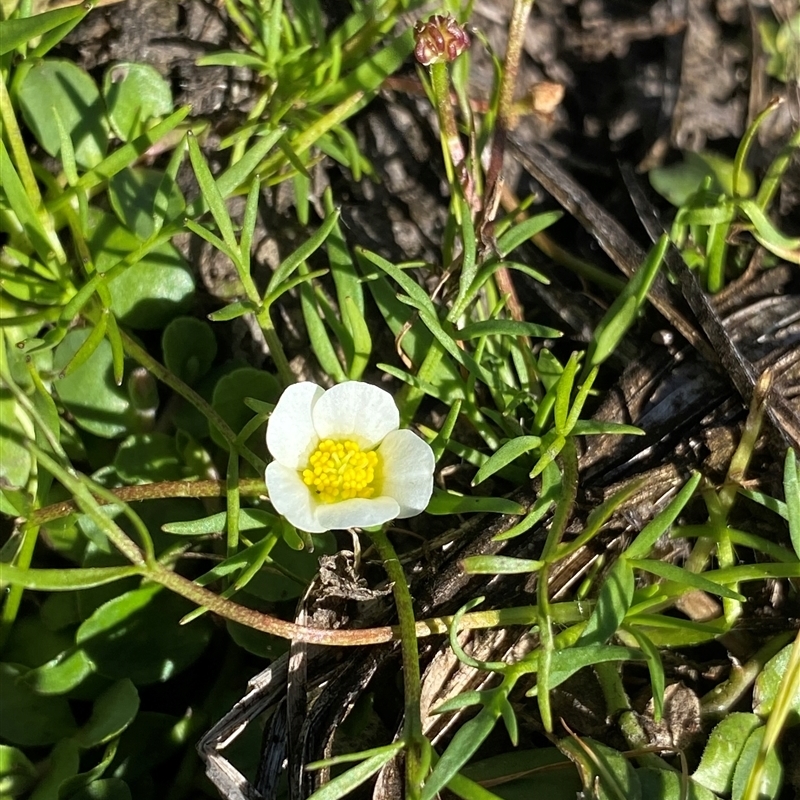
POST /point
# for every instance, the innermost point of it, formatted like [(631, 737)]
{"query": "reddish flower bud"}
[(439, 39)]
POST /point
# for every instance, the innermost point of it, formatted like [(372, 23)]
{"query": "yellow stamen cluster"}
[(340, 471)]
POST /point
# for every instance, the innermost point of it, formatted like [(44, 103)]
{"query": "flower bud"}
[(439, 39)]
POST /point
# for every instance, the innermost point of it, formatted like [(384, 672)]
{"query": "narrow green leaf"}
[(655, 667), (249, 224), (361, 338), (233, 310), (613, 602), (580, 400), (286, 286), (249, 519), (443, 503), (766, 230), (500, 565), (754, 572), (590, 427), (18, 32), (552, 445), (510, 720), (506, 327), (523, 231), (791, 491), (402, 278), (318, 335), (469, 737), (507, 454), (681, 576), (551, 485), (233, 177), (345, 783), (60, 580), (166, 187), (773, 504), (228, 58), (204, 233), (622, 312), (463, 700), (469, 263), (125, 155), (349, 758), (564, 393), (212, 194), (23, 206), (117, 348), (662, 522), (310, 246), (87, 348)]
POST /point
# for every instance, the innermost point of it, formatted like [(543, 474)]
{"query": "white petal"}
[(407, 471), (291, 437), (358, 411), (357, 513), (291, 498)]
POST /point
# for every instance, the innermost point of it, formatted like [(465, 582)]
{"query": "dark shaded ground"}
[(641, 79)]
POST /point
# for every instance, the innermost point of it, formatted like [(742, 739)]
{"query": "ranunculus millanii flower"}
[(341, 460)]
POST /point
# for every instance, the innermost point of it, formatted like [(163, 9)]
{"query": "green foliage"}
[(122, 413), (714, 196)]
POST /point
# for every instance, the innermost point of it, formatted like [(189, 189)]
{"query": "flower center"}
[(340, 471)]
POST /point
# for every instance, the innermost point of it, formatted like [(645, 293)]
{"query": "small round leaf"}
[(148, 458), (230, 393), (133, 192), (113, 711), (89, 393), (15, 465), (137, 636), (149, 293), (189, 347), (26, 718), (57, 86), (103, 789), (17, 774), (136, 95)]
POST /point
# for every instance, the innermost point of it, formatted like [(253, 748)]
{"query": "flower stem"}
[(275, 347), (412, 725), (250, 487), (452, 148), (505, 110)]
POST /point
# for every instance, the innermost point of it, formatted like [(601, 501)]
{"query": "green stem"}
[(159, 371), (721, 699), (569, 488), (412, 725), (89, 506), (772, 180), (275, 347), (410, 396), (8, 614), (452, 149), (743, 150), (232, 493), (505, 110)]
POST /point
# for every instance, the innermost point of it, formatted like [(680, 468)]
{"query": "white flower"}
[(341, 461)]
